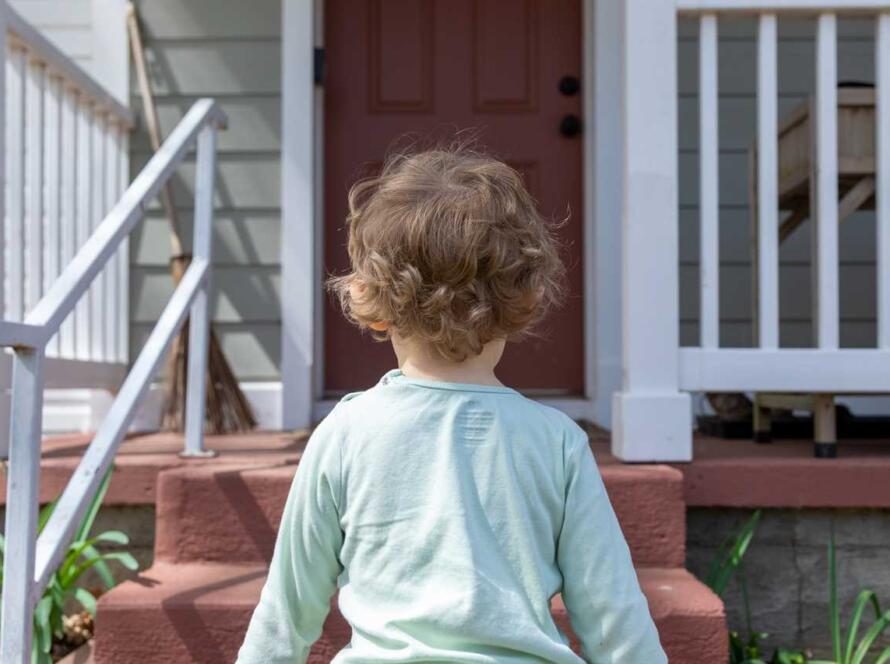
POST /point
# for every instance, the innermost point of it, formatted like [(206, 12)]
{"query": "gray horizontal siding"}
[(253, 351), (737, 130), (229, 50), (195, 20), (66, 23), (241, 237), (241, 294)]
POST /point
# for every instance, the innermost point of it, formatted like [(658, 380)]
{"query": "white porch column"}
[(651, 417), (299, 267), (604, 173)]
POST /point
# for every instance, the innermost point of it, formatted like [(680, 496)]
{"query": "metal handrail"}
[(29, 562)]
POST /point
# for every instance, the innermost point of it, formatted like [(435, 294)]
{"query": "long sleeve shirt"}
[(449, 515)]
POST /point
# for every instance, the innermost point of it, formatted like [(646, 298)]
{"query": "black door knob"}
[(570, 125), (569, 85)]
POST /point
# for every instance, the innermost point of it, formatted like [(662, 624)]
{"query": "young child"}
[(447, 507)]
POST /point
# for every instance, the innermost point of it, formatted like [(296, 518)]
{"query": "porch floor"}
[(724, 473)]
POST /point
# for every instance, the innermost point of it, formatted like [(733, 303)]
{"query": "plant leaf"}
[(102, 568), (124, 558), (42, 632), (733, 558), (864, 598), (45, 513), (87, 524), (884, 657), (86, 599), (870, 637), (113, 536), (87, 550)]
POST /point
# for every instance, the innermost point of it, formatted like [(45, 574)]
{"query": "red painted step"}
[(198, 612), (226, 514), (216, 526)]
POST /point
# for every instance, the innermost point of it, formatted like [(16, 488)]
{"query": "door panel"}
[(399, 71)]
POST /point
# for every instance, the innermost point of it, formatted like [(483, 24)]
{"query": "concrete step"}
[(198, 612), (231, 513)]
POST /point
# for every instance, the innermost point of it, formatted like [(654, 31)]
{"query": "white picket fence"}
[(652, 412)]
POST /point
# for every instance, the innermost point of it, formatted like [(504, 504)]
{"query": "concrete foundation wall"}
[(787, 568)]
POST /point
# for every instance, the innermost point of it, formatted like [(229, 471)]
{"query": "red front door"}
[(429, 68)]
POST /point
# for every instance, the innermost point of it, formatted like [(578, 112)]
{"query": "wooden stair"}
[(215, 532)]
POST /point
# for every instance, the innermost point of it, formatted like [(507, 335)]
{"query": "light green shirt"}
[(449, 515)]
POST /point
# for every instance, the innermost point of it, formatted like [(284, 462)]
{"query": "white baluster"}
[(709, 165), (34, 183), (767, 185), (69, 218), (82, 312), (122, 144), (112, 271), (825, 236), (882, 152), (97, 289), (53, 175), (14, 245)]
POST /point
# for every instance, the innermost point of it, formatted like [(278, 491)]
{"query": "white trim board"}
[(300, 205), (302, 157), (68, 410)]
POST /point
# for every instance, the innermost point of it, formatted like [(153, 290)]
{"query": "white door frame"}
[(302, 349), (300, 213)]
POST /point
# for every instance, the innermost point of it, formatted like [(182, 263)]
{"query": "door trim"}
[(302, 214), (301, 125)]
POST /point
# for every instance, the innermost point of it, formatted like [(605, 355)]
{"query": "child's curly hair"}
[(448, 247)]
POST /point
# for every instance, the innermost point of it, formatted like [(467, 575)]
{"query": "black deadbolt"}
[(569, 85), (570, 125)]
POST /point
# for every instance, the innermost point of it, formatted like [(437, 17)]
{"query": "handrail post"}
[(199, 323), (23, 477)]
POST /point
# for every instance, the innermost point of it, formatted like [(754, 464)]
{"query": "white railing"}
[(651, 418), (827, 368), (29, 561), (66, 163)]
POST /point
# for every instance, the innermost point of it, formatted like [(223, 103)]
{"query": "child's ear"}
[(379, 326), (356, 288)]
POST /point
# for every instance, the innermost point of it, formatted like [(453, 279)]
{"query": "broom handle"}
[(154, 134)]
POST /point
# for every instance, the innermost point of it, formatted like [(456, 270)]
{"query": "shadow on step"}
[(197, 630)]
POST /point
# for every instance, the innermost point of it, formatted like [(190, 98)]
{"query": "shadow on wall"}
[(229, 50)]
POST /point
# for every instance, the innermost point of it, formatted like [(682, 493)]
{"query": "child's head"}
[(448, 249)]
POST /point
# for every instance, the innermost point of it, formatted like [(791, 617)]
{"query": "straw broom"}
[(227, 408)]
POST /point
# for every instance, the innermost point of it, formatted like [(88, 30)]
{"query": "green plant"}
[(727, 564), (848, 650), (83, 554)]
